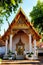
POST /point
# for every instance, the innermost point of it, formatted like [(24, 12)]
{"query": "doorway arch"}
[(22, 42)]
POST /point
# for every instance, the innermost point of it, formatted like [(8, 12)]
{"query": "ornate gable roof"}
[(20, 22)]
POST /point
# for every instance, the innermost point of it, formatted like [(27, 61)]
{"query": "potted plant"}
[(30, 55), (9, 54)]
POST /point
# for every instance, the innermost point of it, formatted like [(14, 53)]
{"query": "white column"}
[(35, 47), (10, 43), (30, 43), (6, 47)]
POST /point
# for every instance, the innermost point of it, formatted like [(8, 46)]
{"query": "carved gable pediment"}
[(21, 23)]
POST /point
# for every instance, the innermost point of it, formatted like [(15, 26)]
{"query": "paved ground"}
[(23, 62)]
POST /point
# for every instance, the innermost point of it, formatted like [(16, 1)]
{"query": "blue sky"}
[(27, 6)]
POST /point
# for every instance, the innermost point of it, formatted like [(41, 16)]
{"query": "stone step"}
[(20, 61)]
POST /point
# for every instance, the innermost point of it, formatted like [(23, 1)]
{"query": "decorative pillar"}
[(30, 43), (34, 47), (6, 47), (10, 43)]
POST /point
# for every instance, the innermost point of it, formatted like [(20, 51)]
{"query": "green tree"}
[(37, 16), (7, 7)]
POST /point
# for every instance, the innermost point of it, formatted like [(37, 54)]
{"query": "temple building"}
[(21, 35)]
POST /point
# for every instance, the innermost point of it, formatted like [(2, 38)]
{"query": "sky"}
[(27, 7)]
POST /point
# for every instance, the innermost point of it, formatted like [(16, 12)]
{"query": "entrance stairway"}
[(21, 61)]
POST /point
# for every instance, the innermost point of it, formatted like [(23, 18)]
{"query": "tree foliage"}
[(37, 16), (6, 8)]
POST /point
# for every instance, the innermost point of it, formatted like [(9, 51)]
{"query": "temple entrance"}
[(20, 48), (21, 41)]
